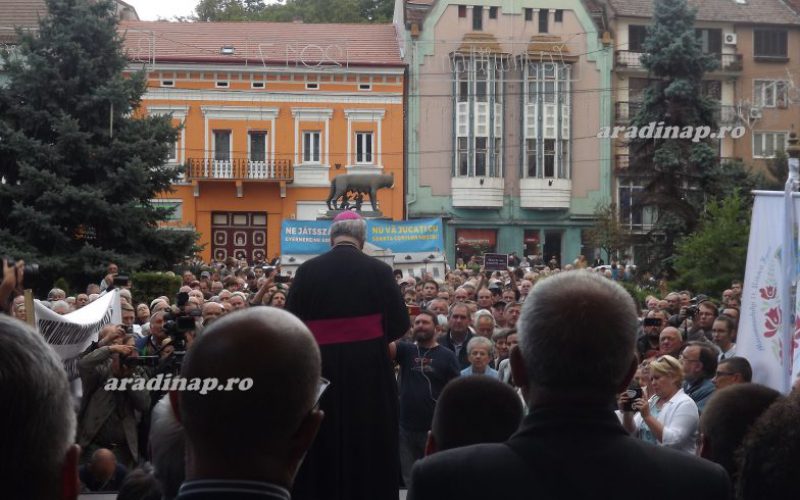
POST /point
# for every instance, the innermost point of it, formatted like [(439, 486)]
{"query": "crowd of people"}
[(508, 376)]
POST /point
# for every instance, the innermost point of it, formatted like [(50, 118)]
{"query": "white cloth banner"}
[(767, 335), (71, 334)]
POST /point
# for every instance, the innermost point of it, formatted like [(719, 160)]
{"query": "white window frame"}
[(365, 148), (174, 150), (230, 143), (315, 137), (760, 87), (258, 85), (553, 113), (222, 84), (761, 137)]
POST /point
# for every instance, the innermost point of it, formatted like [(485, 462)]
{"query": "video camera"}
[(176, 325), (30, 271), (151, 361)]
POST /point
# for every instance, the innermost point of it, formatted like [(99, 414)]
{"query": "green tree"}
[(778, 170), (714, 255), (676, 173), (607, 233), (309, 11), (78, 166)]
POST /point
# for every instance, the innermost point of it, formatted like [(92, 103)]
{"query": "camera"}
[(30, 270), (176, 325), (151, 361), (128, 329), (633, 395), (121, 281), (691, 311)]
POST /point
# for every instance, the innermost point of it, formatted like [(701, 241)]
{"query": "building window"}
[(311, 148), (544, 14), (529, 14), (167, 83), (364, 147), (770, 93), (765, 144), (222, 145), (312, 86), (364, 86), (636, 37), (547, 111), (477, 18), (710, 40), (222, 84), (258, 146), (632, 214), (478, 116), (492, 12), (257, 85), (462, 11), (559, 16), (770, 43), (172, 157)]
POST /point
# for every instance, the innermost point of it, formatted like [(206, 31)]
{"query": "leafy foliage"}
[(607, 233), (709, 259), (308, 11), (147, 285), (78, 168)]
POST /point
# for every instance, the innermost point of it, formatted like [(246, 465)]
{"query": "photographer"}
[(107, 418), (11, 286)]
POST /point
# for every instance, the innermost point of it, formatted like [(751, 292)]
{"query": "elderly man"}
[(571, 444), (39, 459), (353, 330), (211, 311), (259, 447), (102, 473), (670, 342)]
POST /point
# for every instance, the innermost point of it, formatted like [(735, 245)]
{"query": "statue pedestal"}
[(366, 214)]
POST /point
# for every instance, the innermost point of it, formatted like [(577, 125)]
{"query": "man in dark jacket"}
[(458, 336), (576, 353), (353, 306)]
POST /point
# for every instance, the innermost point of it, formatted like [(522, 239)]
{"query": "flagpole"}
[(790, 266)]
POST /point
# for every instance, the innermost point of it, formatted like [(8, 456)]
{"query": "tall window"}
[(173, 153), (544, 14), (311, 147), (222, 145), (636, 36), (477, 18), (770, 43), (547, 120), (710, 40), (478, 116), (770, 93), (632, 214), (258, 146), (364, 147)]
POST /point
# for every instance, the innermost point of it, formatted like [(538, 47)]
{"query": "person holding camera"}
[(107, 418), (669, 417)]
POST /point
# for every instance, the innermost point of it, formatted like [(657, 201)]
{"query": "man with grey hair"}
[(39, 459), (353, 306), (576, 354)]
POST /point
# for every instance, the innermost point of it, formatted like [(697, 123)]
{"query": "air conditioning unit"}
[(730, 38), (755, 113)]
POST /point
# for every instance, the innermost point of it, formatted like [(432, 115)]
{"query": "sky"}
[(152, 10)]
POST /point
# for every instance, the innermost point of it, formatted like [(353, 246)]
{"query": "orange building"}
[(270, 113)]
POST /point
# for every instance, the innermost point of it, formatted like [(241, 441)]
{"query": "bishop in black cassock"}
[(352, 304)]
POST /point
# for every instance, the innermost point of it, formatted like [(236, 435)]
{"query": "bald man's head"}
[(259, 426)]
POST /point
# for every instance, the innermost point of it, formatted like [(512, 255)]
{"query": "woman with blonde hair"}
[(669, 417)]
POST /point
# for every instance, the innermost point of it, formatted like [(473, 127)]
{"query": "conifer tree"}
[(79, 165)]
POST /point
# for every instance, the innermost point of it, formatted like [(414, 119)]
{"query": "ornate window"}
[(478, 110), (547, 111)]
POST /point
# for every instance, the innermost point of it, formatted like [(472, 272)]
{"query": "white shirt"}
[(680, 419), (728, 354)]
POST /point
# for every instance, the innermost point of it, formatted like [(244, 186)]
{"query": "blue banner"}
[(312, 237)]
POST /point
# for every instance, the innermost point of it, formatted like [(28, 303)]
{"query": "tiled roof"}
[(309, 44), (751, 12)]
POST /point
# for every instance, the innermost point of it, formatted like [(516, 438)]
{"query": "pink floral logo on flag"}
[(773, 321), (768, 292)]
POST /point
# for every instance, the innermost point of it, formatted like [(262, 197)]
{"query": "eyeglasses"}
[(682, 358), (723, 374), (323, 385)]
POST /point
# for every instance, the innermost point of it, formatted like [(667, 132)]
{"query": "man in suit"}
[(353, 306), (249, 442), (576, 353)]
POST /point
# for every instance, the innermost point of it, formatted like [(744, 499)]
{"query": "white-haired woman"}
[(479, 351), (670, 417)]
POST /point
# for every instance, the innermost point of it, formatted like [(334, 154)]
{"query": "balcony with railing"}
[(622, 162), (239, 169), (631, 60)]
